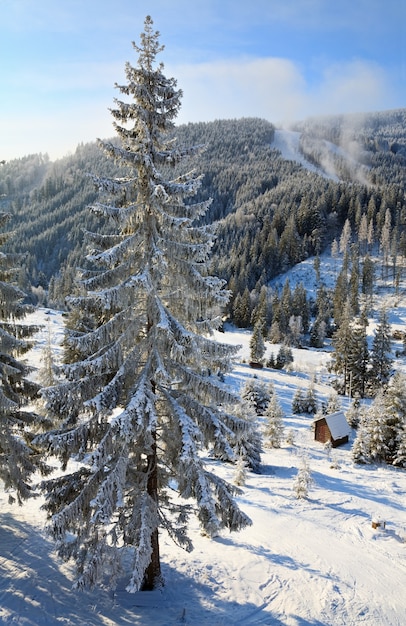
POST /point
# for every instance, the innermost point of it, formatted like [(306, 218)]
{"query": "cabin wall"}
[(322, 432)]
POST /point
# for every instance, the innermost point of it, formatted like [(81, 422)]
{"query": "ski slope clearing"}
[(287, 142), (312, 562), (328, 155)]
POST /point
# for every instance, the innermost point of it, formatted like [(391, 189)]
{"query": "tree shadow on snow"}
[(36, 590), (351, 488)]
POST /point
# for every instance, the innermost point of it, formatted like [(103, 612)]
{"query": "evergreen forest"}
[(270, 212)]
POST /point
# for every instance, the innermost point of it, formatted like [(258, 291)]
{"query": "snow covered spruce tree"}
[(257, 346), (274, 423), (382, 436), (141, 401), (19, 459), (381, 354)]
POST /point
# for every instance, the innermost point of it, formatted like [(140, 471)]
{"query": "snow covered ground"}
[(314, 562)]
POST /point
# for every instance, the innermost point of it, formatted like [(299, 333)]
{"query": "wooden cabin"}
[(333, 428)]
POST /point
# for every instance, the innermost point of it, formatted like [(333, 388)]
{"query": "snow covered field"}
[(314, 562)]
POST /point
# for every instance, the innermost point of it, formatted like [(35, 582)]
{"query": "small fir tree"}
[(271, 363), (309, 400), (46, 373), (378, 430), (290, 437), (353, 413), (333, 403), (240, 472), (273, 430), (298, 401), (258, 394), (360, 450), (303, 480), (247, 445), (399, 459), (284, 357)]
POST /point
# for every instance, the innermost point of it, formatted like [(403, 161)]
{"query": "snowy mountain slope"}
[(328, 155), (287, 142), (302, 563)]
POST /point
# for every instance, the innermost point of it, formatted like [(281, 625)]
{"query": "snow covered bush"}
[(258, 394), (240, 472), (303, 480)]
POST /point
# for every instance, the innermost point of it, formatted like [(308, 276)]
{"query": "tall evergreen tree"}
[(381, 352), (257, 345), (242, 309), (354, 279), (141, 399), (363, 234), (342, 343), (395, 414), (382, 435), (361, 447), (300, 305), (358, 357), (344, 243), (341, 294), (19, 459), (368, 278), (385, 242), (260, 314)]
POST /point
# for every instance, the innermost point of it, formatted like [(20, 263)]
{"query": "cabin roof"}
[(337, 424)]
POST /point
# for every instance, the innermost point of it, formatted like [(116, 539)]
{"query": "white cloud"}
[(271, 88), (357, 86), (277, 90)]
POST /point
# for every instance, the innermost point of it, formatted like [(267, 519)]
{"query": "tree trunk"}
[(152, 577)]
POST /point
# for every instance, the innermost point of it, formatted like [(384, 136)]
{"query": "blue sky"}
[(282, 60)]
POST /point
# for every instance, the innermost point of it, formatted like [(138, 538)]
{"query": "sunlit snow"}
[(311, 562)]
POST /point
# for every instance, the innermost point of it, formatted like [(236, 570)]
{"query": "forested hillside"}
[(270, 212)]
